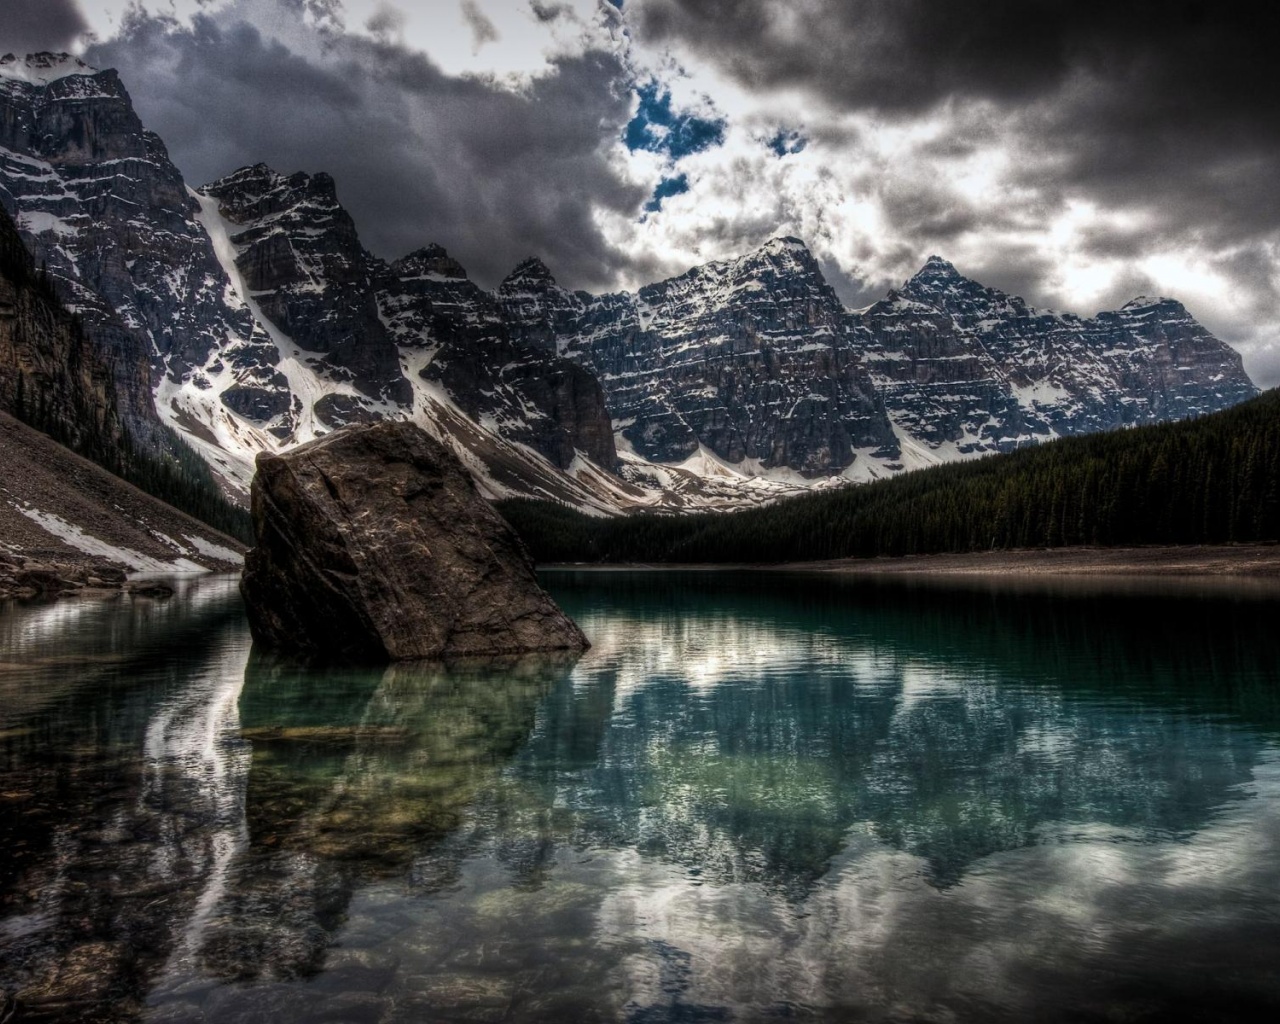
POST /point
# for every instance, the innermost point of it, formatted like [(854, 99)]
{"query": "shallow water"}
[(757, 797)]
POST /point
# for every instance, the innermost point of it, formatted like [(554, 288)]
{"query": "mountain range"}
[(245, 315)]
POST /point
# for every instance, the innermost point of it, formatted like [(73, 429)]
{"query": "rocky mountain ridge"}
[(758, 362), (106, 213), (249, 317), (741, 357)]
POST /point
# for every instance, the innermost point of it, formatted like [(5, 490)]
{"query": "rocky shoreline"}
[(27, 578)]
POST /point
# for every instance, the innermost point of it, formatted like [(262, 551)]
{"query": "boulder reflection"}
[(354, 775), (367, 768)]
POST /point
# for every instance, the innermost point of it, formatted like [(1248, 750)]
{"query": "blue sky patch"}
[(787, 142), (667, 188), (656, 128)]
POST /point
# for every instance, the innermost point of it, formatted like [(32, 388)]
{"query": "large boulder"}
[(373, 545)]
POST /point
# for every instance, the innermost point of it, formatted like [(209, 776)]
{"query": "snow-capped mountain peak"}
[(937, 277), (43, 68), (530, 275), (1147, 301), (784, 244), (431, 261)]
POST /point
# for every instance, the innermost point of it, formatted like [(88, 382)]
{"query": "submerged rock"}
[(373, 544)]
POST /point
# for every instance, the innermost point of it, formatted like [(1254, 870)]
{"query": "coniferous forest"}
[(1212, 480)]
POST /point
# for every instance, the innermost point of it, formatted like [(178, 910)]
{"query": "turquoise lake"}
[(758, 797)]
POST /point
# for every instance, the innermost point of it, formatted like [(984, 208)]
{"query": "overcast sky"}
[(1075, 153)]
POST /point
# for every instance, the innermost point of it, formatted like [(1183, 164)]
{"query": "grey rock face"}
[(300, 257), (524, 391), (106, 212), (962, 364), (51, 374), (747, 357), (298, 253), (757, 359), (373, 544)]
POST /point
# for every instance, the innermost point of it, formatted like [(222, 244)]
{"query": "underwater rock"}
[(373, 544)]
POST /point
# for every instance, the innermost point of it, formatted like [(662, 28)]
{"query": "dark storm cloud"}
[(418, 156), (29, 25), (935, 215), (906, 55)]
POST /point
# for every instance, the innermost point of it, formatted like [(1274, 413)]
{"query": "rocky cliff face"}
[(298, 255), (968, 369), (51, 374), (757, 361), (745, 357), (106, 212), (373, 544), (525, 392)]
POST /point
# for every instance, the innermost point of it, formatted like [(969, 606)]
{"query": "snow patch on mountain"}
[(77, 538), (42, 68)]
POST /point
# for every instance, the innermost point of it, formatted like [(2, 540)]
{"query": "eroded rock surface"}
[(373, 544)]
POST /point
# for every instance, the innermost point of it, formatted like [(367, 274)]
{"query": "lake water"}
[(758, 797)]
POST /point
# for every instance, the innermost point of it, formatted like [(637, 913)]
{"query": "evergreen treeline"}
[(174, 473), (1210, 480), (167, 468), (181, 478)]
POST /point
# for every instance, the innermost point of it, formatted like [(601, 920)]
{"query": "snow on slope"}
[(230, 442), (76, 537), (43, 68), (55, 503)]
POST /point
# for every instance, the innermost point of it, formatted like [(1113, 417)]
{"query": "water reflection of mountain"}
[(747, 785), (167, 807), (956, 723), (120, 792)]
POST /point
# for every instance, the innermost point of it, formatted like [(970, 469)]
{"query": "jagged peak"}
[(784, 243), (935, 268), (531, 272), (261, 178), (431, 260), (43, 67), (937, 279), (254, 173), (1147, 301), (784, 247)]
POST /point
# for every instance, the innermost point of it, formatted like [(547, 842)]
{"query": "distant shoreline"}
[(1253, 560), (1242, 560)]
